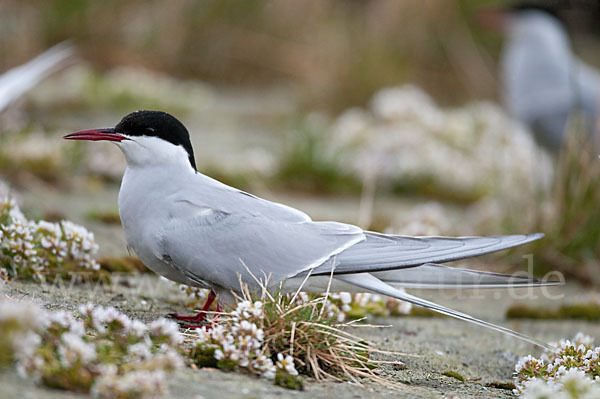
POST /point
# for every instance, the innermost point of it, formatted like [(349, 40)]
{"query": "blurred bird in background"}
[(17, 81), (544, 84)]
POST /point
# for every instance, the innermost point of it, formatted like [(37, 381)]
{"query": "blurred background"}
[(389, 114)]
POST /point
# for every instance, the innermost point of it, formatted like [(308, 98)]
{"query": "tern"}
[(197, 231), (17, 81), (543, 83)]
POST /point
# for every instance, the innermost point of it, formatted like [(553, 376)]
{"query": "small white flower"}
[(138, 328), (140, 351), (74, 349), (345, 297), (166, 328), (286, 363)]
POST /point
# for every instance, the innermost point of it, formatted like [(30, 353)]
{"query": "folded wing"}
[(379, 252), (217, 247)]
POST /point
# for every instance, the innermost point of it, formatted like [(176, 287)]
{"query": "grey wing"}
[(216, 247), (211, 193), (381, 252)]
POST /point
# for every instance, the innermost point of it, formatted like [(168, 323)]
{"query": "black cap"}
[(157, 124)]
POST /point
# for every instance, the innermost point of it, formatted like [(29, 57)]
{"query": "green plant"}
[(107, 354), (31, 249), (572, 243), (306, 165), (454, 374), (569, 370), (577, 311)]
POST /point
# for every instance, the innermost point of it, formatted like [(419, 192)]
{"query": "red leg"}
[(200, 316)]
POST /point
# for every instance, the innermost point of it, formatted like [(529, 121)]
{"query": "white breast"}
[(144, 210)]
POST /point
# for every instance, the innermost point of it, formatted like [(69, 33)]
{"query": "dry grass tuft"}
[(572, 243), (308, 330)]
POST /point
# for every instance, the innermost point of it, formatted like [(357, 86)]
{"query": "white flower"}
[(138, 328), (583, 339), (67, 321), (170, 359), (74, 349), (102, 317), (140, 351), (571, 384), (166, 328), (345, 297), (522, 362), (286, 363), (25, 345), (538, 389), (247, 309), (403, 307), (137, 383), (24, 314)]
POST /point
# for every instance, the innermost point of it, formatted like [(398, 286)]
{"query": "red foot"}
[(195, 326), (198, 318)]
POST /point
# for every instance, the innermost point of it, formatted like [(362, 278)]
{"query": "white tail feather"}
[(434, 276), (372, 283)]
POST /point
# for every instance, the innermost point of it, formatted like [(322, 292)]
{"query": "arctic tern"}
[(543, 82), (197, 231)]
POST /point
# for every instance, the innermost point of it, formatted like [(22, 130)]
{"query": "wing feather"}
[(381, 252), (217, 247)]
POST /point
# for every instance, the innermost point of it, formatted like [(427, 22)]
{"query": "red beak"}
[(96, 135)]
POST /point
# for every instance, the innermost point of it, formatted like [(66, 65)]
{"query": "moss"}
[(288, 381), (356, 312), (227, 364), (509, 386), (79, 380), (454, 374), (204, 357), (582, 311)]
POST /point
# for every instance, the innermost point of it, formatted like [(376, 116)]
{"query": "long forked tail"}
[(369, 282)]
